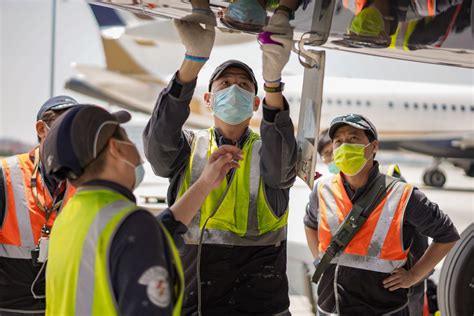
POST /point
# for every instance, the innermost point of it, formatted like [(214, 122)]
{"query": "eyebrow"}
[(235, 74)]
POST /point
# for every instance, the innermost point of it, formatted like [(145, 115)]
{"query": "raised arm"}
[(167, 145), (278, 154)]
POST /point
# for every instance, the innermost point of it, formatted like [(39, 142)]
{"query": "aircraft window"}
[(444, 107), (329, 101), (463, 108), (339, 102), (425, 106), (358, 103), (348, 102), (415, 106), (406, 105), (290, 99), (435, 107), (390, 104), (453, 107), (367, 103), (472, 108)]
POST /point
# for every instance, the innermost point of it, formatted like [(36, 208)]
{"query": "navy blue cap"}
[(355, 120), (76, 139), (235, 64), (56, 103)]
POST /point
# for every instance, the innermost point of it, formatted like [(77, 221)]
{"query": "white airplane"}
[(412, 116)]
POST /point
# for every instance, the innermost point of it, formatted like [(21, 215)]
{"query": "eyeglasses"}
[(354, 119)]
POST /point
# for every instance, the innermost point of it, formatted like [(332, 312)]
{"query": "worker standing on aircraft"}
[(108, 256), (235, 251), (29, 203), (364, 223)]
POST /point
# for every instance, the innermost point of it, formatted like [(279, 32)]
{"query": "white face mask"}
[(139, 169)]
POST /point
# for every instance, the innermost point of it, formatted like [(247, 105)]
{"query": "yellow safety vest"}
[(243, 217), (77, 275)]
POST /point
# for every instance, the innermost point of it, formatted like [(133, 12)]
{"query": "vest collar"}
[(353, 195), (113, 186), (221, 140)]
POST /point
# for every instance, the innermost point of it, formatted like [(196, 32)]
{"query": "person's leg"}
[(416, 300)]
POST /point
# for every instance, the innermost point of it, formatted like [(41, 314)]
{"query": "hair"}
[(97, 166), (323, 140)]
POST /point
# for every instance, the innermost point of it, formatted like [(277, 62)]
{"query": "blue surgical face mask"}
[(139, 169), (233, 105), (333, 168), (247, 11)]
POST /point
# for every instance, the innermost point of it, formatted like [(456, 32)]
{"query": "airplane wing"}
[(441, 34), (137, 92)]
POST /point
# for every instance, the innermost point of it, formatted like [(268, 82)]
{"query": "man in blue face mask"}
[(235, 249)]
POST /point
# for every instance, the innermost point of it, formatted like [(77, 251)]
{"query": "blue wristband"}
[(273, 81), (196, 58)]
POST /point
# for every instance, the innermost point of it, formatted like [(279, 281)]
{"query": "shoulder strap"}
[(359, 213)]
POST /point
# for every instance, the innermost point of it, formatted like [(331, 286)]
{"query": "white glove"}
[(198, 41), (275, 56), (201, 16)]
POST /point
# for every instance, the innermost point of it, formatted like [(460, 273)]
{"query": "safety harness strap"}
[(361, 210)]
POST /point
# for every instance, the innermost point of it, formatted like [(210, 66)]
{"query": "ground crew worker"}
[(242, 269), (416, 294), (371, 275), (29, 203), (108, 256)]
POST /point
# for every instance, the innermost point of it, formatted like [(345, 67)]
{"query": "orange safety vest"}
[(354, 5), (378, 245), (25, 205), (422, 7)]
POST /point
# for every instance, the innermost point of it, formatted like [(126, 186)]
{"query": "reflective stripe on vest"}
[(400, 39), (78, 280), (425, 7), (23, 217), (179, 288), (257, 214), (354, 5), (86, 279), (378, 246), (16, 236)]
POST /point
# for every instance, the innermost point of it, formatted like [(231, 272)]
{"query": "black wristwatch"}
[(274, 89)]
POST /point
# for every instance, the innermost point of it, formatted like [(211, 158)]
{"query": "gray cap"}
[(354, 120), (77, 138), (236, 64), (60, 102)]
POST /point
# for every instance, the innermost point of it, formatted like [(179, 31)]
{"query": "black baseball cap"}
[(60, 102), (233, 63), (354, 120), (77, 138)]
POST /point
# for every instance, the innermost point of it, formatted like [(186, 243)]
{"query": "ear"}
[(207, 99), (256, 103), (114, 148), (376, 148), (41, 129)]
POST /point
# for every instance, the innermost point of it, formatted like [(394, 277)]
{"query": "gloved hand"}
[(202, 16), (276, 56), (197, 40)]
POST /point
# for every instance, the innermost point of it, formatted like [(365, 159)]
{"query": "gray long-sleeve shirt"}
[(168, 145)]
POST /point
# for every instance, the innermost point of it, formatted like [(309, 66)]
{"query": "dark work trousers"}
[(416, 299), (237, 280)]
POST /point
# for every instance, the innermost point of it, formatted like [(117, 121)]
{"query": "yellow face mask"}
[(350, 158)]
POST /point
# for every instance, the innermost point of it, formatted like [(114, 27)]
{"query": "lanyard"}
[(55, 205)]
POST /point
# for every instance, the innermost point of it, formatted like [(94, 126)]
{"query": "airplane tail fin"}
[(106, 17), (116, 56)]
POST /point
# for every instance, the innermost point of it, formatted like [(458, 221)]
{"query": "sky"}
[(25, 60)]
